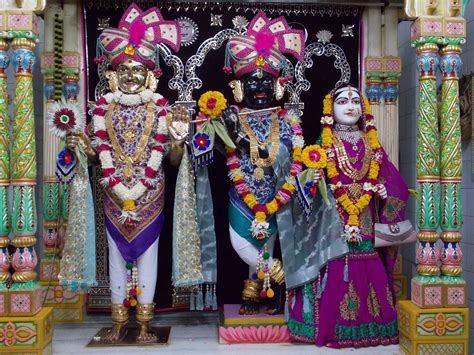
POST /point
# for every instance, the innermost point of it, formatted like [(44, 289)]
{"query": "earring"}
[(113, 81), (279, 90), (151, 81), (237, 90)]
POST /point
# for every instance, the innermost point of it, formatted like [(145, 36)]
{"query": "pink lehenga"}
[(351, 303)]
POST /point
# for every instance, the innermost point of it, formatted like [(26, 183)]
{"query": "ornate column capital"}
[(24, 57)]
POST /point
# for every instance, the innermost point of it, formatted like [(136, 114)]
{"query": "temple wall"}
[(408, 128)]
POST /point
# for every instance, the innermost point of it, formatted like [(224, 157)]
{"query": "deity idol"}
[(131, 137), (267, 156), (351, 303)]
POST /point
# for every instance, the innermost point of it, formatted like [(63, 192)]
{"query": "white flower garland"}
[(111, 176)]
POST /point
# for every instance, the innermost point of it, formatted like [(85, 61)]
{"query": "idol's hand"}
[(81, 140), (179, 125), (231, 120), (381, 191)]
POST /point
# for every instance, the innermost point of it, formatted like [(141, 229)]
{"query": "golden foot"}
[(115, 334), (146, 336)]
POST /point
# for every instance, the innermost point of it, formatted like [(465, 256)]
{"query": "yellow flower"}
[(250, 200), (272, 206), (289, 187), (314, 157), (327, 105), (353, 220), (373, 139), (297, 154), (374, 170), (260, 216), (129, 205), (212, 103), (331, 169), (327, 137), (367, 105)]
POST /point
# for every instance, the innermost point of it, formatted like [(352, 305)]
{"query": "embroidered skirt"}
[(356, 312)]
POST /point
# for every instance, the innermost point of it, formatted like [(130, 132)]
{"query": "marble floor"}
[(191, 333)]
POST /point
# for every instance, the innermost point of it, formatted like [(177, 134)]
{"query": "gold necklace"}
[(255, 143), (344, 161), (129, 160)]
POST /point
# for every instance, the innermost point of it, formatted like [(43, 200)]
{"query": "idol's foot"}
[(249, 307), (146, 335), (277, 303), (115, 334)]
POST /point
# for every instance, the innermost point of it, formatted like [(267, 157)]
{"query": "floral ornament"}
[(308, 182), (353, 209), (212, 103), (314, 157), (65, 117), (201, 141)]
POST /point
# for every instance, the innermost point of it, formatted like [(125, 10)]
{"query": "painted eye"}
[(341, 101)]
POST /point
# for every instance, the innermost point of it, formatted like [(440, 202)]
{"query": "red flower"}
[(99, 111), (162, 102), (113, 182), (162, 113), (64, 119), (150, 173), (108, 172), (101, 134), (103, 148), (211, 103), (101, 101), (162, 138)]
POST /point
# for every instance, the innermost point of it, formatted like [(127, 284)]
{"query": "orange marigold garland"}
[(351, 229), (284, 194)]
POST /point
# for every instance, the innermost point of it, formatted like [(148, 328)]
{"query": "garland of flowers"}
[(283, 196), (351, 229), (111, 176)]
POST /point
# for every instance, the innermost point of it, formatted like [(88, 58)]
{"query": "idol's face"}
[(259, 87), (347, 107), (131, 76)]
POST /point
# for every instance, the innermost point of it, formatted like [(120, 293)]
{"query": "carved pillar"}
[(451, 170), (23, 175), (427, 168), (390, 135), (51, 243), (5, 217)]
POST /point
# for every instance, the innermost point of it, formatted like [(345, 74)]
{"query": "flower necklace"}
[(105, 140), (283, 196), (261, 211), (351, 229)]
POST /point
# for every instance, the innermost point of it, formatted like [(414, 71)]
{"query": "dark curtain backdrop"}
[(323, 76)]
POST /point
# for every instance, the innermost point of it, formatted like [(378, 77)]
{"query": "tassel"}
[(325, 279), (346, 270), (319, 291), (214, 298), (306, 308), (199, 303), (287, 312), (208, 298), (192, 305), (293, 301)]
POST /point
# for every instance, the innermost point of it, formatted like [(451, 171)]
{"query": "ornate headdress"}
[(136, 37), (263, 46)]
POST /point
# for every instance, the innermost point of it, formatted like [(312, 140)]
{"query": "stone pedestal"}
[(258, 328), (68, 305), (433, 331), (426, 295), (27, 334)]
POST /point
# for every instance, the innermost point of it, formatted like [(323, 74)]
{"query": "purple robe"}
[(360, 311)]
